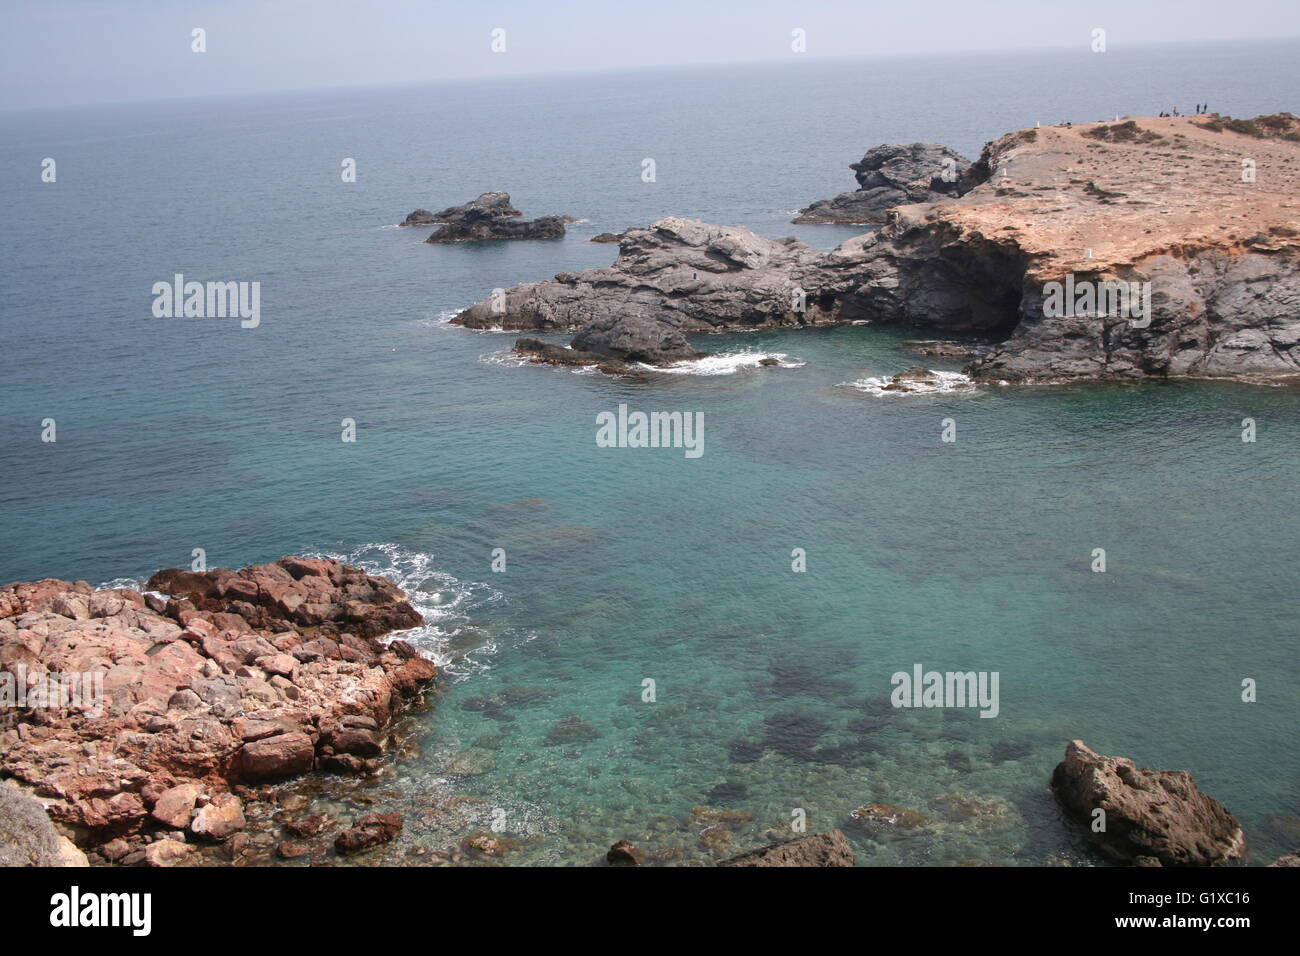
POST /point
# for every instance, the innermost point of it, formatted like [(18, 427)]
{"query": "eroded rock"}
[(1151, 816)]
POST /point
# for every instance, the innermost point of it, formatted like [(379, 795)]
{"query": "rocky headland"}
[(490, 216), (894, 175), (1201, 212), (233, 680)]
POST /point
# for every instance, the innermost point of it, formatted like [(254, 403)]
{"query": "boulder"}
[(175, 806), (221, 818), (1151, 816), (369, 831), (283, 755)]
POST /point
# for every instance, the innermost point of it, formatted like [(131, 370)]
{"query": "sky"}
[(65, 52)]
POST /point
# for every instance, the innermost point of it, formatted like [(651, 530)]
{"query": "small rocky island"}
[(490, 216), (1166, 203), (894, 175)]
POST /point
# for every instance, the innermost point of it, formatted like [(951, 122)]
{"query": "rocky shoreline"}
[(232, 680), (1159, 205), (219, 686)]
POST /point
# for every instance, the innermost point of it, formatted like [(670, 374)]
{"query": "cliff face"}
[(1160, 205), (1161, 247)]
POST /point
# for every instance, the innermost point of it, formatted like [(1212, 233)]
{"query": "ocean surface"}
[(771, 687)]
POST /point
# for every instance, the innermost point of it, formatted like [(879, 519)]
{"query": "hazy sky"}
[(55, 52)]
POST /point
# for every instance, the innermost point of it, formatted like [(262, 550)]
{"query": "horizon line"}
[(581, 71)]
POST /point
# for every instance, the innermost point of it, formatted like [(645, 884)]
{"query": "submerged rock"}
[(821, 849), (1151, 816), (885, 816), (623, 853), (369, 831), (894, 175)]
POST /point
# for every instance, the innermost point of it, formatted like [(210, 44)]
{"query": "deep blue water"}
[(627, 564)]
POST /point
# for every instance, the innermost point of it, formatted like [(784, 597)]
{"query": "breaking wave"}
[(946, 382), (726, 363)]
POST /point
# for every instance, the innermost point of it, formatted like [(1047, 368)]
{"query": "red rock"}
[(175, 807), (281, 756)]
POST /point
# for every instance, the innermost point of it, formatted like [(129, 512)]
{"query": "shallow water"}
[(772, 687)]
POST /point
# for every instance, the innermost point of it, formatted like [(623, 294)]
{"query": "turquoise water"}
[(625, 564)]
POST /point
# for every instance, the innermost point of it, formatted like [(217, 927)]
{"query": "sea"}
[(693, 653)]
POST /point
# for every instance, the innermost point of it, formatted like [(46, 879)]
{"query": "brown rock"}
[(623, 853), (370, 830), (283, 755), (1152, 817), (175, 807)]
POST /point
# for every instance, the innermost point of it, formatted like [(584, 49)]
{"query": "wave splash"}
[(727, 363), (889, 386), (449, 636)]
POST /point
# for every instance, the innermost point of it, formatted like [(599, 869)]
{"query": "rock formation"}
[(490, 216), (1152, 817), (239, 677), (820, 849), (1160, 206), (682, 273), (894, 175)]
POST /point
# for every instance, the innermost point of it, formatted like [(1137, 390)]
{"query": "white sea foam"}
[(948, 382), (447, 604), (449, 635), (725, 363)]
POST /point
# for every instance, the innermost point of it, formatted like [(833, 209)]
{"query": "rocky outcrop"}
[(27, 837), (894, 175), (1290, 859), (1207, 262), (1151, 817), (238, 677), (683, 274), (822, 849), (421, 217), (490, 216)]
